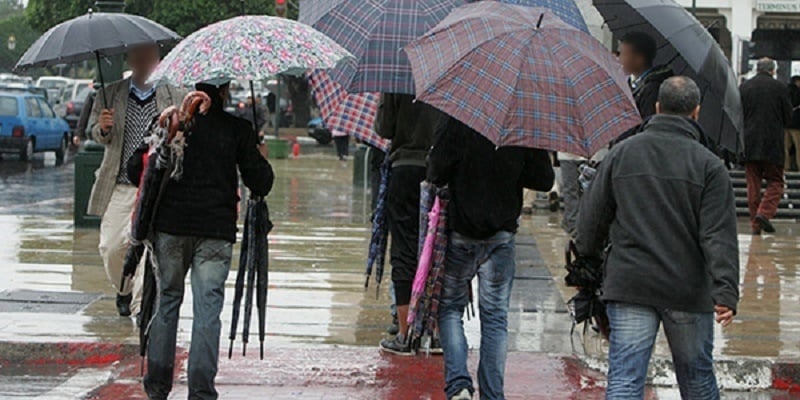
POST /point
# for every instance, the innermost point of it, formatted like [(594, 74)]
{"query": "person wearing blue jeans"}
[(486, 186), (661, 208), (195, 228)]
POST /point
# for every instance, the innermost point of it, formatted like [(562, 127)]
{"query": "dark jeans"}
[(767, 205), (493, 261), (210, 261), (633, 334), (403, 215), (342, 145)]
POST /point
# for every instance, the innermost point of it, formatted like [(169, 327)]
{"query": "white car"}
[(53, 85)]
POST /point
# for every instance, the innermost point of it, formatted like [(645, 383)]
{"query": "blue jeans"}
[(210, 261), (493, 261), (633, 333)]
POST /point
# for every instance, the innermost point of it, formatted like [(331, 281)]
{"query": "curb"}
[(740, 374), (61, 353)]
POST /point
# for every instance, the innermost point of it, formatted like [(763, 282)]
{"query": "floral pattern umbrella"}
[(248, 48)]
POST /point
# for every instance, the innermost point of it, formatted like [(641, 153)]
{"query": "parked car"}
[(28, 125), (318, 131), (53, 85), (70, 102), (24, 88)]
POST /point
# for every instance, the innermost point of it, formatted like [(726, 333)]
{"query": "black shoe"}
[(124, 305), (397, 345), (766, 226), (555, 201), (436, 346)]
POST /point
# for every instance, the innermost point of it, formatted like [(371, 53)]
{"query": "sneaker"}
[(397, 345), (764, 223), (124, 305), (436, 346), (464, 394)]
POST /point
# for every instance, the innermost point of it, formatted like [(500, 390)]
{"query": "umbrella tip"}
[(539, 24), (262, 349), (244, 350), (230, 350)]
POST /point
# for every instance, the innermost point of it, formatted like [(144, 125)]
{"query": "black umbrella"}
[(93, 36), (254, 268), (687, 46)]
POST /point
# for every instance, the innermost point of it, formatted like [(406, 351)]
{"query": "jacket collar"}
[(675, 124)]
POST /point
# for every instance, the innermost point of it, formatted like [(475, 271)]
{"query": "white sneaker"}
[(464, 394)]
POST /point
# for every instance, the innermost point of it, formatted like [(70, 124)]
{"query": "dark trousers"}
[(342, 145), (403, 215), (765, 205)]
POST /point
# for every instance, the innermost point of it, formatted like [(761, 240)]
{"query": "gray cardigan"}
[(666, 205), (117, 95)]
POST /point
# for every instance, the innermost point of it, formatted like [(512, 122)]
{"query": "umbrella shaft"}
[(102, 81)]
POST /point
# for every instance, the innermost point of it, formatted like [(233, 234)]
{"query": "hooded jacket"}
[(671, 226)]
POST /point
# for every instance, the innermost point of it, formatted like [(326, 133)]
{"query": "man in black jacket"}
[(637, 52), (410, 125), (673, 258), (195, 229), (767, 112), (486, 200)]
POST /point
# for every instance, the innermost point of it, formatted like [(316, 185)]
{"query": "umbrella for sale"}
[(93, 36), (427, 286), (690, 50), (380, 229), (375, 31), (351, 113), (254, 269), (523, 77)]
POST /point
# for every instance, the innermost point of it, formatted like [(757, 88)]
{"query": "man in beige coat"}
[(121, 125)]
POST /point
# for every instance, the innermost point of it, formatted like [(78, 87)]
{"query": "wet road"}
[(317, 256)]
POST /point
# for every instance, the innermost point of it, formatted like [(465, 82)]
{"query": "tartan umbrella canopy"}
[(523, 77)]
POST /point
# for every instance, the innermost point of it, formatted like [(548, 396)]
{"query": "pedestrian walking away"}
[(410, 126), (486, 185), (793, 130), (637, 52), (767, 113), (121, 125), (195, 231), (665, 224)]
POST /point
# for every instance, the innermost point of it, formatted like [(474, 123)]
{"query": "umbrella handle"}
[(102, 81)]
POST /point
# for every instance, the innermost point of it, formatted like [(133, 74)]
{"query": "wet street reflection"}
[(317, 260)]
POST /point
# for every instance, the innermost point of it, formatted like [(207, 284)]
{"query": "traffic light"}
[(280, 8)]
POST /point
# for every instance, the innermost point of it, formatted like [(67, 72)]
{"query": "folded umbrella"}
[(523, 77), (350, 113), (688, 47), (376, 257), (93, 36), (429, 220)]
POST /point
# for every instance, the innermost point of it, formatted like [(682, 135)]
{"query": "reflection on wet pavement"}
[(317, 257), (768, 320)]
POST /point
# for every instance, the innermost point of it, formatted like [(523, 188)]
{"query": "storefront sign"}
[(785, 6)]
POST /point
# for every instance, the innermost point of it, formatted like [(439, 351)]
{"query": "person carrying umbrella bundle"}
[(486, 185), (195, 229)]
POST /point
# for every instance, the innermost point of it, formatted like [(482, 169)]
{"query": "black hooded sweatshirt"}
[(203, 202)]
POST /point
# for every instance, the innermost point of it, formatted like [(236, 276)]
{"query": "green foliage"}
[(187, 16), (45, 14), (17, 26)]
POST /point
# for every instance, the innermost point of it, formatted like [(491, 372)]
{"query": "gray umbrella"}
[(93, 36), (688, 47)]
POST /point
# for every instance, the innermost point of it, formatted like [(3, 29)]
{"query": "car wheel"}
[(62, 150), (26, 153)]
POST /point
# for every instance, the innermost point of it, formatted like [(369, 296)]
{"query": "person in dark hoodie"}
[(410, 126), (673, 257), (486, 186), (195, 230), (637, 53)]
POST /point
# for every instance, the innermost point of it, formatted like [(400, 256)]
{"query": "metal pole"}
[(694, 8), (278, 111)]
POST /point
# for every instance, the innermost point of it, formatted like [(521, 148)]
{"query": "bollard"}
[(87, 161), (296, 149)]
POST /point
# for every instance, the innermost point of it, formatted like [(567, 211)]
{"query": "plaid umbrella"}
[(552, 87), (375, 31), (351, 113), (380, 229), (424, 308)]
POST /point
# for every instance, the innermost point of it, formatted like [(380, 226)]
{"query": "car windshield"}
[(51, 84), (8, 106), (82, 94), (80, 88)]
